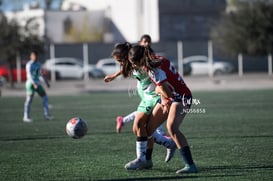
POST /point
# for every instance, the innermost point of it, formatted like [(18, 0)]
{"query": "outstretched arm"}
[(43, 75), (109, 78)]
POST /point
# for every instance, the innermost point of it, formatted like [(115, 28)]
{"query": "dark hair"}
[(121, 51), (142, 56), (35, 52), (146, 36)]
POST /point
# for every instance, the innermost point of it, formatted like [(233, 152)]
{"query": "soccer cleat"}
[(49, 117), (149, 164), (170, 152), (138, 164), (119, 124), (27, 120), (187, 169)]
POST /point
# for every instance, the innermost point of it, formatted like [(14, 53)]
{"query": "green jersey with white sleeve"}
[(33, 71), (146, 91)]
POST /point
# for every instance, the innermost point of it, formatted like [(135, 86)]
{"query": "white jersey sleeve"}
[(33, 72), (28, 72), (158, 76)]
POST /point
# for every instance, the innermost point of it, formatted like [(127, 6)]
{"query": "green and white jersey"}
[(146, 91), (33, 71), (146, 88)]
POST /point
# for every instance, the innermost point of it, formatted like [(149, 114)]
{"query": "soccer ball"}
[(76, 128)]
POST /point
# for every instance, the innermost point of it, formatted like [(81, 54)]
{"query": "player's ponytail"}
[(136, 55), (121, 52), (128, 45), (151, 62), (142, 56)]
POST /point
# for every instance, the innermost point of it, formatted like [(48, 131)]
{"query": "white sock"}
[(27, 106), (141, 147), (162, 140), (130, 117), (160, 130)]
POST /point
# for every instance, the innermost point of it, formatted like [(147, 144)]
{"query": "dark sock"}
[(142, 138), (149, 153), (186, 155)]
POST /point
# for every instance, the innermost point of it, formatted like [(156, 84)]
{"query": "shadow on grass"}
[(170, 178), (112, 133), (150, 178), (238, 167), (32, 138), (234, 136)]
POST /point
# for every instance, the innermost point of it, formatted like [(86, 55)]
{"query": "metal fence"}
[(90, 53)]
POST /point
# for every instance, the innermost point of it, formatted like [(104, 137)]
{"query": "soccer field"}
[(230, 134)]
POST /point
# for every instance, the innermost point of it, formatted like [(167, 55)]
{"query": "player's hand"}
[(166, 103), (35, 86), (108, 78)]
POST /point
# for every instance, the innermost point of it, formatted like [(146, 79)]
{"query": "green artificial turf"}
[(230, 134)]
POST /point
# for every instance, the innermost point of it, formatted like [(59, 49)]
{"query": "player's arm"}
[(31, 77), (109, 78), (164, 89), (43, 76)]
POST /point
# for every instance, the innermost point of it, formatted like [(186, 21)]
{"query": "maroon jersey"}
[(167, 72)]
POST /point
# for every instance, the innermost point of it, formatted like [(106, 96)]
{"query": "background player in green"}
[(32, 85)]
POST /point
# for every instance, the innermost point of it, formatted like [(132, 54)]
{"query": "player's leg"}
[(42, 94), (139, 128), (160, 136), (156, 119), (121, 121), (130, 117), (161, 139), (141, 133), (175, 118), (160, 130), (166, 141), (144, 110), (27, 105)]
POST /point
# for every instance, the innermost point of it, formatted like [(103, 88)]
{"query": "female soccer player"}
[(175, 99), (145, 41), (32, 85), (146, 90)]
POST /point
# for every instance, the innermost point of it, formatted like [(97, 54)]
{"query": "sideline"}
[(252, 81)]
